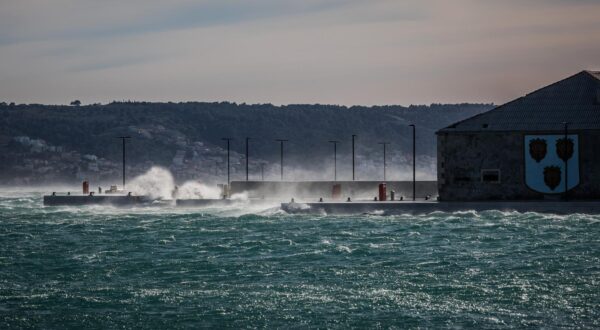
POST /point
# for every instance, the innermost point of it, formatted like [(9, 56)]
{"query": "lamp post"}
[(566, 160), (247, 140), (262, 171), (384, 159), (123, 138), (281, 141), (334, 159), (414, 158), (353, 137), (228, 172)]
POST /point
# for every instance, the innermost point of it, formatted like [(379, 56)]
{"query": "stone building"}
[(518, 150)]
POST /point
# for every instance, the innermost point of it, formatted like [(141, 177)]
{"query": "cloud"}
[(342, 52), (37, 20)]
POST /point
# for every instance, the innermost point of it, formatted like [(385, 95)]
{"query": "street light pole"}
[(228, 172), (414, 156), (353, 137), (566, 160), (123, 138), (334, 159), (384, 159), (247, 139), (281, 141)]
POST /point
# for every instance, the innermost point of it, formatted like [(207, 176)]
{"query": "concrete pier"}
[(425, 207), (78, 200)]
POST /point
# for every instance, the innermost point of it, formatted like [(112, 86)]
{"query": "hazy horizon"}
[(283, 52)]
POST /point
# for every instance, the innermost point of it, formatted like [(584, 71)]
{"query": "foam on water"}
[(256, 266)]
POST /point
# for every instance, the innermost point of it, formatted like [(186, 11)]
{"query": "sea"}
[(257, 267)]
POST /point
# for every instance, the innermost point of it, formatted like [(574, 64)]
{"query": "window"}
[(490, 176)]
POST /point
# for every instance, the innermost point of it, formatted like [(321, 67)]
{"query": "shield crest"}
[(545, 157)]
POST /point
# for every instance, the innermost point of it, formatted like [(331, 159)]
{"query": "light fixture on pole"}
[(123, 138), (247, 155), (384, 159), (228, 171), (334, 159), (281, 141), (414, 159), (566, 160), (353, 164)]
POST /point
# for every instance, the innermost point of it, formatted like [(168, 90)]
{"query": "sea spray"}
[(157, 183), (243, 196), (194, 189)]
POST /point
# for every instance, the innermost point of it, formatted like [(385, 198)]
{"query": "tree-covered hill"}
[(160, 130)]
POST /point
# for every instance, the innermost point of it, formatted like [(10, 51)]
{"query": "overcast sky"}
[(299, 51)]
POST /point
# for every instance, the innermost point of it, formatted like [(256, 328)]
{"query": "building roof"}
[(575, 100)]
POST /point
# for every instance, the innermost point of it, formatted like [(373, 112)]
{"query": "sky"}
[(280, 51)]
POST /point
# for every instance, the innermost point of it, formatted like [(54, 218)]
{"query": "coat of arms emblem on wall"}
[(547, 160)]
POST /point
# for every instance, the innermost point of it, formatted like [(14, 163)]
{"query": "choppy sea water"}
[(229, 268)]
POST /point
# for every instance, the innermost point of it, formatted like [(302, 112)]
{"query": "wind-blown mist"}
[(371, 170), (193, 189), (158, 183)]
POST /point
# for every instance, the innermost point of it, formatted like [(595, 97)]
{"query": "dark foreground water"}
[(158, 268)]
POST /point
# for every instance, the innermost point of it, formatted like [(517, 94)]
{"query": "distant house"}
[(519, 151)]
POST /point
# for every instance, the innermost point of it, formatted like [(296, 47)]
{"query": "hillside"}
[(65, 143)]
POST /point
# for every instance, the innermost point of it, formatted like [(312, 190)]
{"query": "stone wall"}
[(462, 157)]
